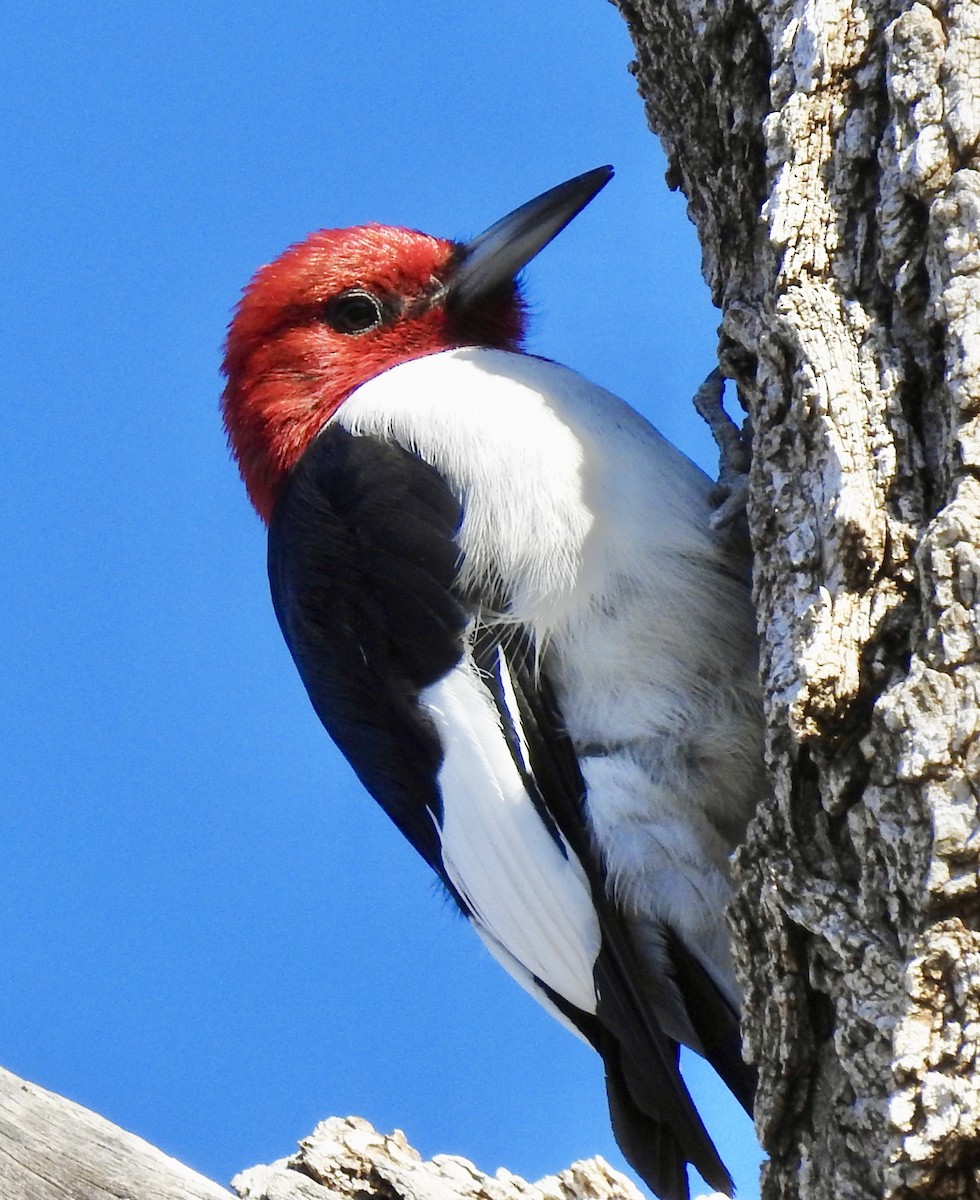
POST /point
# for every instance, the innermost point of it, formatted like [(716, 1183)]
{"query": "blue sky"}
[(209, 934)]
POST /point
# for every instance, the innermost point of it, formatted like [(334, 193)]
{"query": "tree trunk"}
[(828, 150)]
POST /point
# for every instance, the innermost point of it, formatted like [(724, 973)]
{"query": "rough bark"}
[(53, 1149), (829, 153)]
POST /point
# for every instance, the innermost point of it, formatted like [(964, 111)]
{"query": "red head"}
[(346, 304), (328, 315)]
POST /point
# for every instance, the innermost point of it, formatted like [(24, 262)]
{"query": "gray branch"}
[(53, 1149)]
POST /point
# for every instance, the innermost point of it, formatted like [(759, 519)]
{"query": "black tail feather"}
[(715, 1022), (651, 1146)]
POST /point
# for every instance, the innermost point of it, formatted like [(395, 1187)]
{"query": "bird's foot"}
[(731, 492)]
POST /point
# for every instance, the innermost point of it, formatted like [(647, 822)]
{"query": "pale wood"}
[(345, 1158), (54, 1149), (829, 153)]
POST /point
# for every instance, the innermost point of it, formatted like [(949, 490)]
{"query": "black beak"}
[(495, 256)]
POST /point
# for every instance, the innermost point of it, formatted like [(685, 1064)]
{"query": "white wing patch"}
[(532, 904)]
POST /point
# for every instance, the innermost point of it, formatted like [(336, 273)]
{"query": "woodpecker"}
[(500, 589)]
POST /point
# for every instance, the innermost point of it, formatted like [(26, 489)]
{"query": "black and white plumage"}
[(499, 587)]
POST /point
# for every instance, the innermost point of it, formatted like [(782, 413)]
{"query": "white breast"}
[(543, 459), (484, 420), (596, 528)]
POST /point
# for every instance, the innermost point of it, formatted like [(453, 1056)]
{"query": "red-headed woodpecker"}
[(500, 589)]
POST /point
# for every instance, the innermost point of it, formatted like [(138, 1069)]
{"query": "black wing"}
[(362, 564)]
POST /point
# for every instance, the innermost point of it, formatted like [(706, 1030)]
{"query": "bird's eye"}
[(354, 312)]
